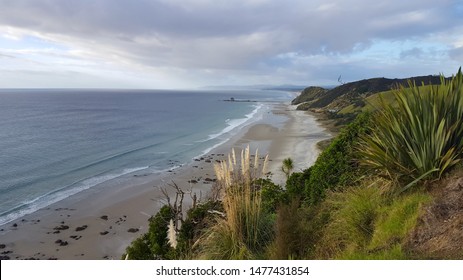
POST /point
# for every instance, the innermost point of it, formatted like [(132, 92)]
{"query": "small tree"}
[(288, 166)]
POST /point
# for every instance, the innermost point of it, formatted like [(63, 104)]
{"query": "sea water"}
[(56, 143)]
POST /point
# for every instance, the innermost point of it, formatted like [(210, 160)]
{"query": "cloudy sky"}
[(195, 43)]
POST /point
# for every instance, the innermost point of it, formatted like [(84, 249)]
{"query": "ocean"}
[(57, 143)]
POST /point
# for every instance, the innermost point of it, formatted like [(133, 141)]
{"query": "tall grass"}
[(367, 222), (419, 134), (297, 230), (245, 229), (351, 222)]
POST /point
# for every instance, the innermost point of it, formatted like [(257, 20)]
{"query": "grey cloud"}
[(221, 35), (40, 79), (457, 54), (414, 52), (7, 56)]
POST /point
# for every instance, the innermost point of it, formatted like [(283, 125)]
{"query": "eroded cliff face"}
[(439, 232)]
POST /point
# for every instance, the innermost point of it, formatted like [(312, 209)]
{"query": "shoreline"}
[(100, 223)]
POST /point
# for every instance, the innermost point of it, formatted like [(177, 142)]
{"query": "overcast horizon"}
[(180, 44)]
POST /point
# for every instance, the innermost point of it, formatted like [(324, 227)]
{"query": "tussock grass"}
[(420, 134), (396, 220), (367, 222), (351, 224), (245, 229)]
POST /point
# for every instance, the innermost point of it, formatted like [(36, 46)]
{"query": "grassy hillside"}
[(344, 102), (373, 102), (309, 94), (346, 94)]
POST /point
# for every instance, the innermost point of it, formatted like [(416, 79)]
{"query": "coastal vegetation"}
[(245, 228), (287, 167), (340, 105), (419, 134), (386, 187)]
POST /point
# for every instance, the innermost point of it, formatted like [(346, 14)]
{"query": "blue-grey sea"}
[(56, 143)]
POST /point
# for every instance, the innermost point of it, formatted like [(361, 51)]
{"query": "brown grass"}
[(240, 234)]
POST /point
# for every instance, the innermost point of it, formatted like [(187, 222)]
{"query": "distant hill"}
[(285, 88), (352, 93), (309, 94)]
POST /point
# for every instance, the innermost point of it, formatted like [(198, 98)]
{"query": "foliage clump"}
[(245, 228), (153, 244), (419, 134), (367, 222)]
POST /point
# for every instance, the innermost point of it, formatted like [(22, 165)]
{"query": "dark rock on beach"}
[(61, 242), (133, 230), (81, 228), (62, 227), (104, 217)]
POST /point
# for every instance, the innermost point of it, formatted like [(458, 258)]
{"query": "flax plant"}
[(419, 134), (243, 230)]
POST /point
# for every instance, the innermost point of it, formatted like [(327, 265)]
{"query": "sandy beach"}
[(101, 222)]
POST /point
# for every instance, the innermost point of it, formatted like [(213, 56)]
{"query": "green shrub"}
[(337, 165), (153, 244), (272, 195), (139, 249), (419, 134), (197, 220), (295, 185), (157, 233)]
